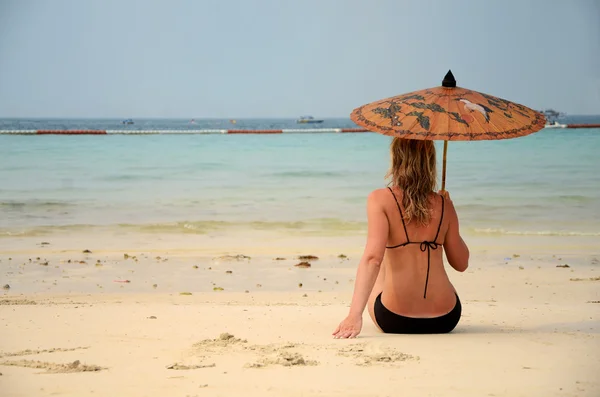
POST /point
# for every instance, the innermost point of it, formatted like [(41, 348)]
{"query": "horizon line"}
[(199, 118)]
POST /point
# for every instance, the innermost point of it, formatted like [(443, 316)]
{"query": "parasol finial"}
[(449, 80)]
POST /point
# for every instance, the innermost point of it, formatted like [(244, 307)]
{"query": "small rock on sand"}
[(6, 286), (563, 265), (87, 251), (303, 264), (308, 257), (226, 336)]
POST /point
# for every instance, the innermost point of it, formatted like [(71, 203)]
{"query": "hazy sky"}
[(285, 58)]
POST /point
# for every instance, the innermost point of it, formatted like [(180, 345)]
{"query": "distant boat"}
[(127, 121), (308, 119), (555, 124), (192, 121), (552, 117)]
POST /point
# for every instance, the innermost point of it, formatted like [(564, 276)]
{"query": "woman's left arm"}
[(368, 268)]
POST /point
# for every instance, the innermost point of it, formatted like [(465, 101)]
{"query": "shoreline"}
[(264, 243), (95, 262)]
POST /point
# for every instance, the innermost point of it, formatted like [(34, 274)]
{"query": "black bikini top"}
[(424, 245)]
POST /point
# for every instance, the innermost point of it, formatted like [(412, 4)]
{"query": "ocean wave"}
[(499, 207), (308, 174), (575, 198), (202, 227), (43, 230), (321, 226), (524, 204), (18, 233), (535, 233), (34, 204), (131, 177)]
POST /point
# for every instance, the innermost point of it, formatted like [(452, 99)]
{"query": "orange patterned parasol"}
[(448, 113)]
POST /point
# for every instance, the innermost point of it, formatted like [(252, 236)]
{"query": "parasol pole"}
[(444, 166), (448, 82)]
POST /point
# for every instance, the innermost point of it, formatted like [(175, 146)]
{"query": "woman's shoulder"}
[(386, 193), (380, 194)]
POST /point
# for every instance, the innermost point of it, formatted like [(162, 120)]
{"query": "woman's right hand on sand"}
[(349, 328)]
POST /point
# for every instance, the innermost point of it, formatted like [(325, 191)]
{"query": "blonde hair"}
[(413, 170)]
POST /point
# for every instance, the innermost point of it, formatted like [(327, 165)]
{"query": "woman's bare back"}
[(412, 279)]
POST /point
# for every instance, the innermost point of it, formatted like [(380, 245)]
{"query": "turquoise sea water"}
[(545, 183)]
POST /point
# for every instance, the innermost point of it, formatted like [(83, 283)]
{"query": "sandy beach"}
[(190, 317)]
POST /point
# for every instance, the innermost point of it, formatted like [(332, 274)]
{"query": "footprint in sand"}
[(179, 367), (287, 355), (53, 368), (224, 341), (366, 355), (270, 354), (29, 352), (286, 359)]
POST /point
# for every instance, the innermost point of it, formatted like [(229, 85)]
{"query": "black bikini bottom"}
[(393, 323)]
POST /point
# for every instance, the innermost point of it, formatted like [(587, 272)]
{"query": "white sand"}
[(529, 328)]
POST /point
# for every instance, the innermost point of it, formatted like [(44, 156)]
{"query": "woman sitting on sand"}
[(401, 275)]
